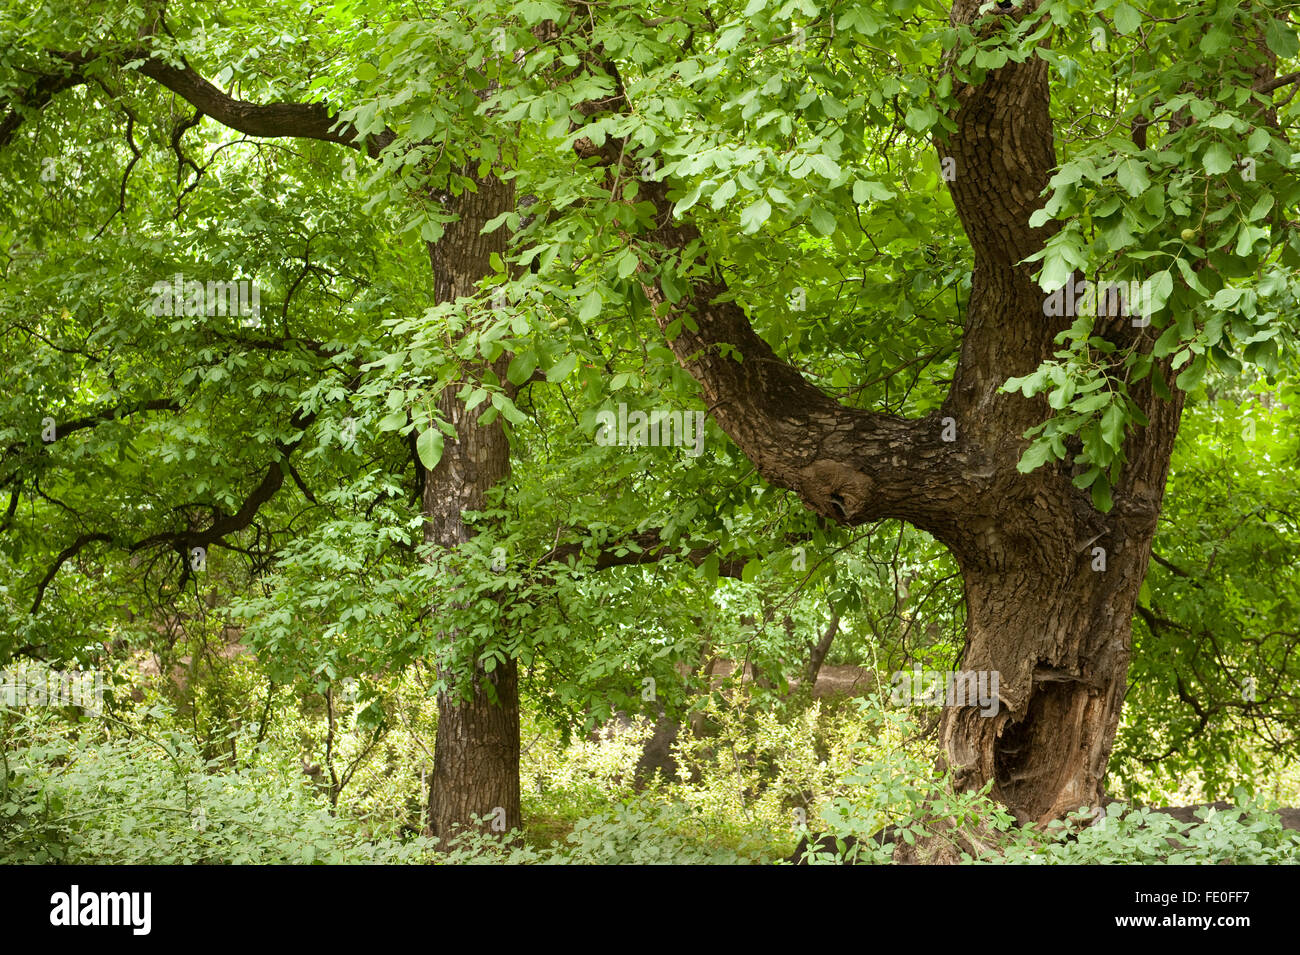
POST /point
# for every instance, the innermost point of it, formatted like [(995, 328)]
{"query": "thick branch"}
[(261, 120), (851, 466), (37, 96), (267, 121), (271, 482), (93, 420), (115, 412), (1277, 83), (1001, 156)]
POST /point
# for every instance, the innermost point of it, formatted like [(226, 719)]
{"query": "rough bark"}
[(1041, 611), (476, 753)]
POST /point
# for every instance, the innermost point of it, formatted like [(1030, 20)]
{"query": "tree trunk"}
[(1058, 637), (476, 752), (817, 653), (1051, 584)]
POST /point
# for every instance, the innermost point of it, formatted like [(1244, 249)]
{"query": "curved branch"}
[(849, 465), (260, 120), (64, 555), (228, 524), (44, 89), (265, 121), (93, 420), (116, 412)]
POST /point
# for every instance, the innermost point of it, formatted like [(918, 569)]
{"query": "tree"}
[(335, 380), (477, 748), (1052, 535), (717, 176)]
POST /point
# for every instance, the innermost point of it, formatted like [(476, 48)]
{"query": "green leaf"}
[(591, 306), (1258, 141), (1192, 374), (627, 263), (1101, 494), (522, 367), (1217, 159), (1035, 455), (1092, 403), (865, 189), (495, 223), (779, 197), (1085, 479), (1190, 276), (392, 421), (1056, 272), (730, 38), (1226, 297), (429, 448), (822, 221), (755, 214), (1132, 175), (1246, 238), (507, 407), (1161, 286), (921, 118), (861, 20), (688, 200), (724, 193), (1112, 426), (563, 368), (1216, 41), (751, 570), (1261, 207), (1281, 38), (826, 166), (1126, 19)]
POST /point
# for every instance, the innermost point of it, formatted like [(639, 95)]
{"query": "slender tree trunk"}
[(476, 753), (817, 653)]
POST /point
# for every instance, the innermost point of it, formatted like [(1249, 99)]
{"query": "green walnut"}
[(1188, 235)]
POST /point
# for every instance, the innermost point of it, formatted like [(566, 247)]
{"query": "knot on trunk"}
[(837, 491)]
